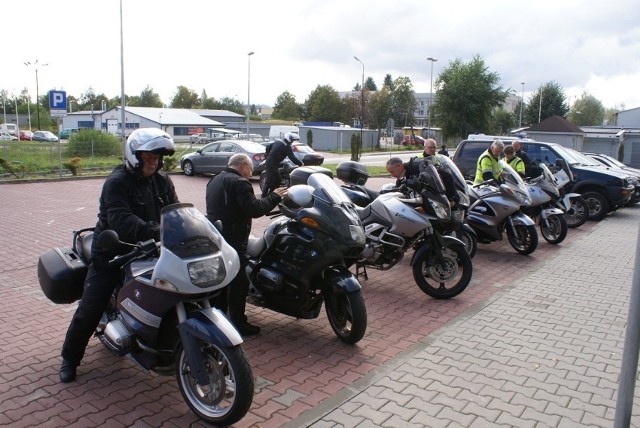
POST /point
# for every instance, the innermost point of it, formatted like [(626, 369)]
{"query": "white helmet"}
[(290, 137), (152, 140)]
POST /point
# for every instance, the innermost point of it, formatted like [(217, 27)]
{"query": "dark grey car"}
[(214, 157)]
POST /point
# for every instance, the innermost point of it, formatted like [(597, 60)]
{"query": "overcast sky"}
[(581, 45)]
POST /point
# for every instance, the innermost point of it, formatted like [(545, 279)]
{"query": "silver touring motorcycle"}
[(160, 315)]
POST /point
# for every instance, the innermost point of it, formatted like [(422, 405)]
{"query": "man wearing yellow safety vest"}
[(488, 167), (514, 161)]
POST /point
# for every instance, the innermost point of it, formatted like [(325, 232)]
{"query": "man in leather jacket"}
[(230, 199), (130, 203), (429, 155), (277, 151)]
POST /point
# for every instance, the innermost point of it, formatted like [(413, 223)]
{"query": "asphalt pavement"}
[(534, 341)]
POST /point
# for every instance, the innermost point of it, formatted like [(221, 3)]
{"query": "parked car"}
[(5, 136), (44, 136), (409, 140), (25, 135), (66, 133), (213, 157), (200, 138), (613, 163), (307, 155), (603, 190)]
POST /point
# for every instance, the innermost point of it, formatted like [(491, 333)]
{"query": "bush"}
[(310, 138), (91, 142), (169, 163), (73, 165)]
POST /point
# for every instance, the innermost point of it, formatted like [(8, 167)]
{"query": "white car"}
[(5, 136), (201, 138)]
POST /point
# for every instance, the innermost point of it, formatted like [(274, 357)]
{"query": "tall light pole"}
[(430, 96), (36, 65), (521, 106), (248, 89), (29, 110), (361, 105)]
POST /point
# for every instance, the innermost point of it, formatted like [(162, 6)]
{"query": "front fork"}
[(208, 325)]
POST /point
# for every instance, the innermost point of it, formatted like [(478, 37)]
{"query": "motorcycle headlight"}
[(442, 211), (357, 234), (207, 273)]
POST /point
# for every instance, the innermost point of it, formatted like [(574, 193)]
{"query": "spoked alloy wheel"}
[(188, 169), (578, 212), (228, 395), (524, 240), (347, 315), (598, 205), (555, 229), (443, 277)]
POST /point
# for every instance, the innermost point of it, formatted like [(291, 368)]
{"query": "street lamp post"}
[(35, 65), (361, 106), (430, 95), (521, 106), (248, 89)]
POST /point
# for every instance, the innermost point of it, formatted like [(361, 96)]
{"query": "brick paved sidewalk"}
[(304, 375), (544, 352)]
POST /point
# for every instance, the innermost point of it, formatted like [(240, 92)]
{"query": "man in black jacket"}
[(231, 200), (130, 204), (429, 155), (524, 156), (278, 150)]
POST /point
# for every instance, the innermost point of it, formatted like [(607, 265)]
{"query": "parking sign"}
[(57, 103)]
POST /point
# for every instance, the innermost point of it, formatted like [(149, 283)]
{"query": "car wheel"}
[(188, 169), (598, 205)]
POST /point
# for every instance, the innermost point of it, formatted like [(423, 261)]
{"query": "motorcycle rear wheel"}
[(556, 230), (578, 212), (347, 315), (469, 239), (443, 277), (525, 239), (228, 396)]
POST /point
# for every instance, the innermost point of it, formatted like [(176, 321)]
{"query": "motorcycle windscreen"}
[(186, 232)]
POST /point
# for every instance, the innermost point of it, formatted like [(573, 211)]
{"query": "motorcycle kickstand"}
[(364, 271)]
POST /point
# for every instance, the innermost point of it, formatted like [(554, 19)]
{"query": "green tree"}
[(587, 110), (147, 98), (286, 107), (370, 85), (91, 101), (466, 96), (351, 109), (388, 82), (502, 122), (379, 108), (184, 98), (323, 105), (553, 104), (232, 104), (610, 115), (403, 101)]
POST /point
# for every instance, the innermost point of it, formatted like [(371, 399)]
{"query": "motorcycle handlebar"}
[(142, 249)]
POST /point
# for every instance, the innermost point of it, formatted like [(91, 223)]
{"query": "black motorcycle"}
[(301, 259), (160, 315)]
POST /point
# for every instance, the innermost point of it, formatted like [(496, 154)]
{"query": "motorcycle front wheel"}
[(228, 396), (443, 277), (554, 230), (578, 212), (524, 240), (347, 315)]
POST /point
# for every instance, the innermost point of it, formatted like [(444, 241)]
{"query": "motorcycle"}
[(495, 208), (410, 217), (354, 175), (544, 195), (160, 315), (301, 259), (576, 209)]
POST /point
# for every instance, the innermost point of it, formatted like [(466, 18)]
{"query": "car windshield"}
[(568, 155), (301, 148), (614, 161), (583, 159)]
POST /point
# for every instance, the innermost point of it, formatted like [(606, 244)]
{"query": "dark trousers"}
[(271, 181), (98, 288), (234, 299)]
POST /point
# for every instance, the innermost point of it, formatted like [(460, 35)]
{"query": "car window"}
[(227, 147), (210, 148)]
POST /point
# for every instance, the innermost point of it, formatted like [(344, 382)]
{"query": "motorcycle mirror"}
[(108, 239)]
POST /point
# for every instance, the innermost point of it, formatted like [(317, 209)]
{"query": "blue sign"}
[(58, 100)]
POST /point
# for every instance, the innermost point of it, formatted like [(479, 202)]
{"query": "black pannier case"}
[(61, 274)]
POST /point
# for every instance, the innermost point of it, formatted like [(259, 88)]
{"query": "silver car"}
[(214, 157)]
